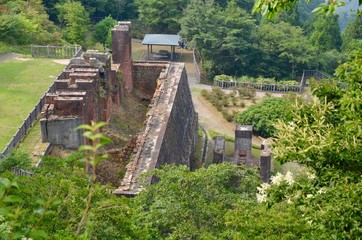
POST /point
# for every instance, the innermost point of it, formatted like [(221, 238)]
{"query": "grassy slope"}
[(22, 84)]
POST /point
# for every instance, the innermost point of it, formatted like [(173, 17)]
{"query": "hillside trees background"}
[(22, 22), (228, 38)]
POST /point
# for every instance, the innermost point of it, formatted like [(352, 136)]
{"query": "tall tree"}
[(74, 20), (325, 34), (25, 22), (352, 35), (102, 30), (223, 37), (162, 16), (285, 51)]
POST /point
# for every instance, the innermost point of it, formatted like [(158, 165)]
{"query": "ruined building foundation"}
[(93, 85)]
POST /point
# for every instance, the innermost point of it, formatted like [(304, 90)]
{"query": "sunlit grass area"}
[(22, 84)]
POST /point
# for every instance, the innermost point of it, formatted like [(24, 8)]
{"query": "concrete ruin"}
[(243, 152), (243, 144), (94, 84)]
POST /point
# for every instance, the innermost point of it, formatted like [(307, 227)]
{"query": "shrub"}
[(263, 115), (227, 115), (16, 159)]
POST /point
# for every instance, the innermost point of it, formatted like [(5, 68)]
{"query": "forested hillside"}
[(228, 38)]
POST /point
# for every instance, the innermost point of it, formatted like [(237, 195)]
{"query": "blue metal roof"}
[(161, 39)]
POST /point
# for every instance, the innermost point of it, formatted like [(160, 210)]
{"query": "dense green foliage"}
[(22, 22), (102, 31), (192, 205), (352, 35), (74, 20), (325, 135), (264, 115), (227, 38)]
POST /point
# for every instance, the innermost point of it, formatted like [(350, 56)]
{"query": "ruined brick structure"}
[(92, 85), (85, 91)]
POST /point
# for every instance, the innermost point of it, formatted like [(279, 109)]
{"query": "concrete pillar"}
[(122, 52), (243, 142), (219, 149), (265, 165)]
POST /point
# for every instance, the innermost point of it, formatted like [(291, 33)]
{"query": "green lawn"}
[(22, 84)]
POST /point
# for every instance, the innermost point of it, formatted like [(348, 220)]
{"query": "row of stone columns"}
[(242, 151)]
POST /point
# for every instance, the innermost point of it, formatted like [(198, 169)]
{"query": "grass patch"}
[(213, 134), (22, 84), (137, 50), (255, 149)]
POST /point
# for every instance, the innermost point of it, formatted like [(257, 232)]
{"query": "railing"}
[(21, 172), (31, 118), (315, 74), (55, 51), (198, 73), (267, 87), (259, 86), (318, 75)]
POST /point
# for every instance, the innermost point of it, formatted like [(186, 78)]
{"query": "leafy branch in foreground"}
[(96, 141)]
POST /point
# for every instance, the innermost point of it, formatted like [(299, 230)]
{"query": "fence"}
[(28, 122), (198, 74), (259, 86), (267, 87), (21, 172), (55, 51)]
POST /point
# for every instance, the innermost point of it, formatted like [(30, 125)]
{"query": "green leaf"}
[(38, 234), (99, 125), (88, 134), (5, 182), (86, 147), (4, 211), (14, 185), (56, 202), (84, 126), (40, 202), (12, 199)]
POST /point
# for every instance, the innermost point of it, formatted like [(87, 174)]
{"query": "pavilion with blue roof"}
[(161, 40)]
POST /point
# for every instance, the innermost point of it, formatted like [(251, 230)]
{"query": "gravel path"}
[(209, 117), (8, 56)]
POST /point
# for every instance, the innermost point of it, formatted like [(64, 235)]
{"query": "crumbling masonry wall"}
[(145, 75), (170, 131)]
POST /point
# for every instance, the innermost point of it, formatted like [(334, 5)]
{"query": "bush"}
[(263, 115), (16, 159), (227, 116)]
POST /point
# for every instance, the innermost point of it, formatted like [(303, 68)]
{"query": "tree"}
[(23, 23), (74, 20), (223, 37), (263, 115), (352, 35), (325, 33), (162, 16), (284, 51), (102, 30), (271, 8), (192, 205)]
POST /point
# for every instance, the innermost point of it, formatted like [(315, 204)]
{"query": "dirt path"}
[(209, 117), (8, 56)]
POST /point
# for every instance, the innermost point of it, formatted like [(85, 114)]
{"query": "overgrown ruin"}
[(95, 84)]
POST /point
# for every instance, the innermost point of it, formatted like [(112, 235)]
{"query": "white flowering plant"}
[(289, 188), (332, 209)]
